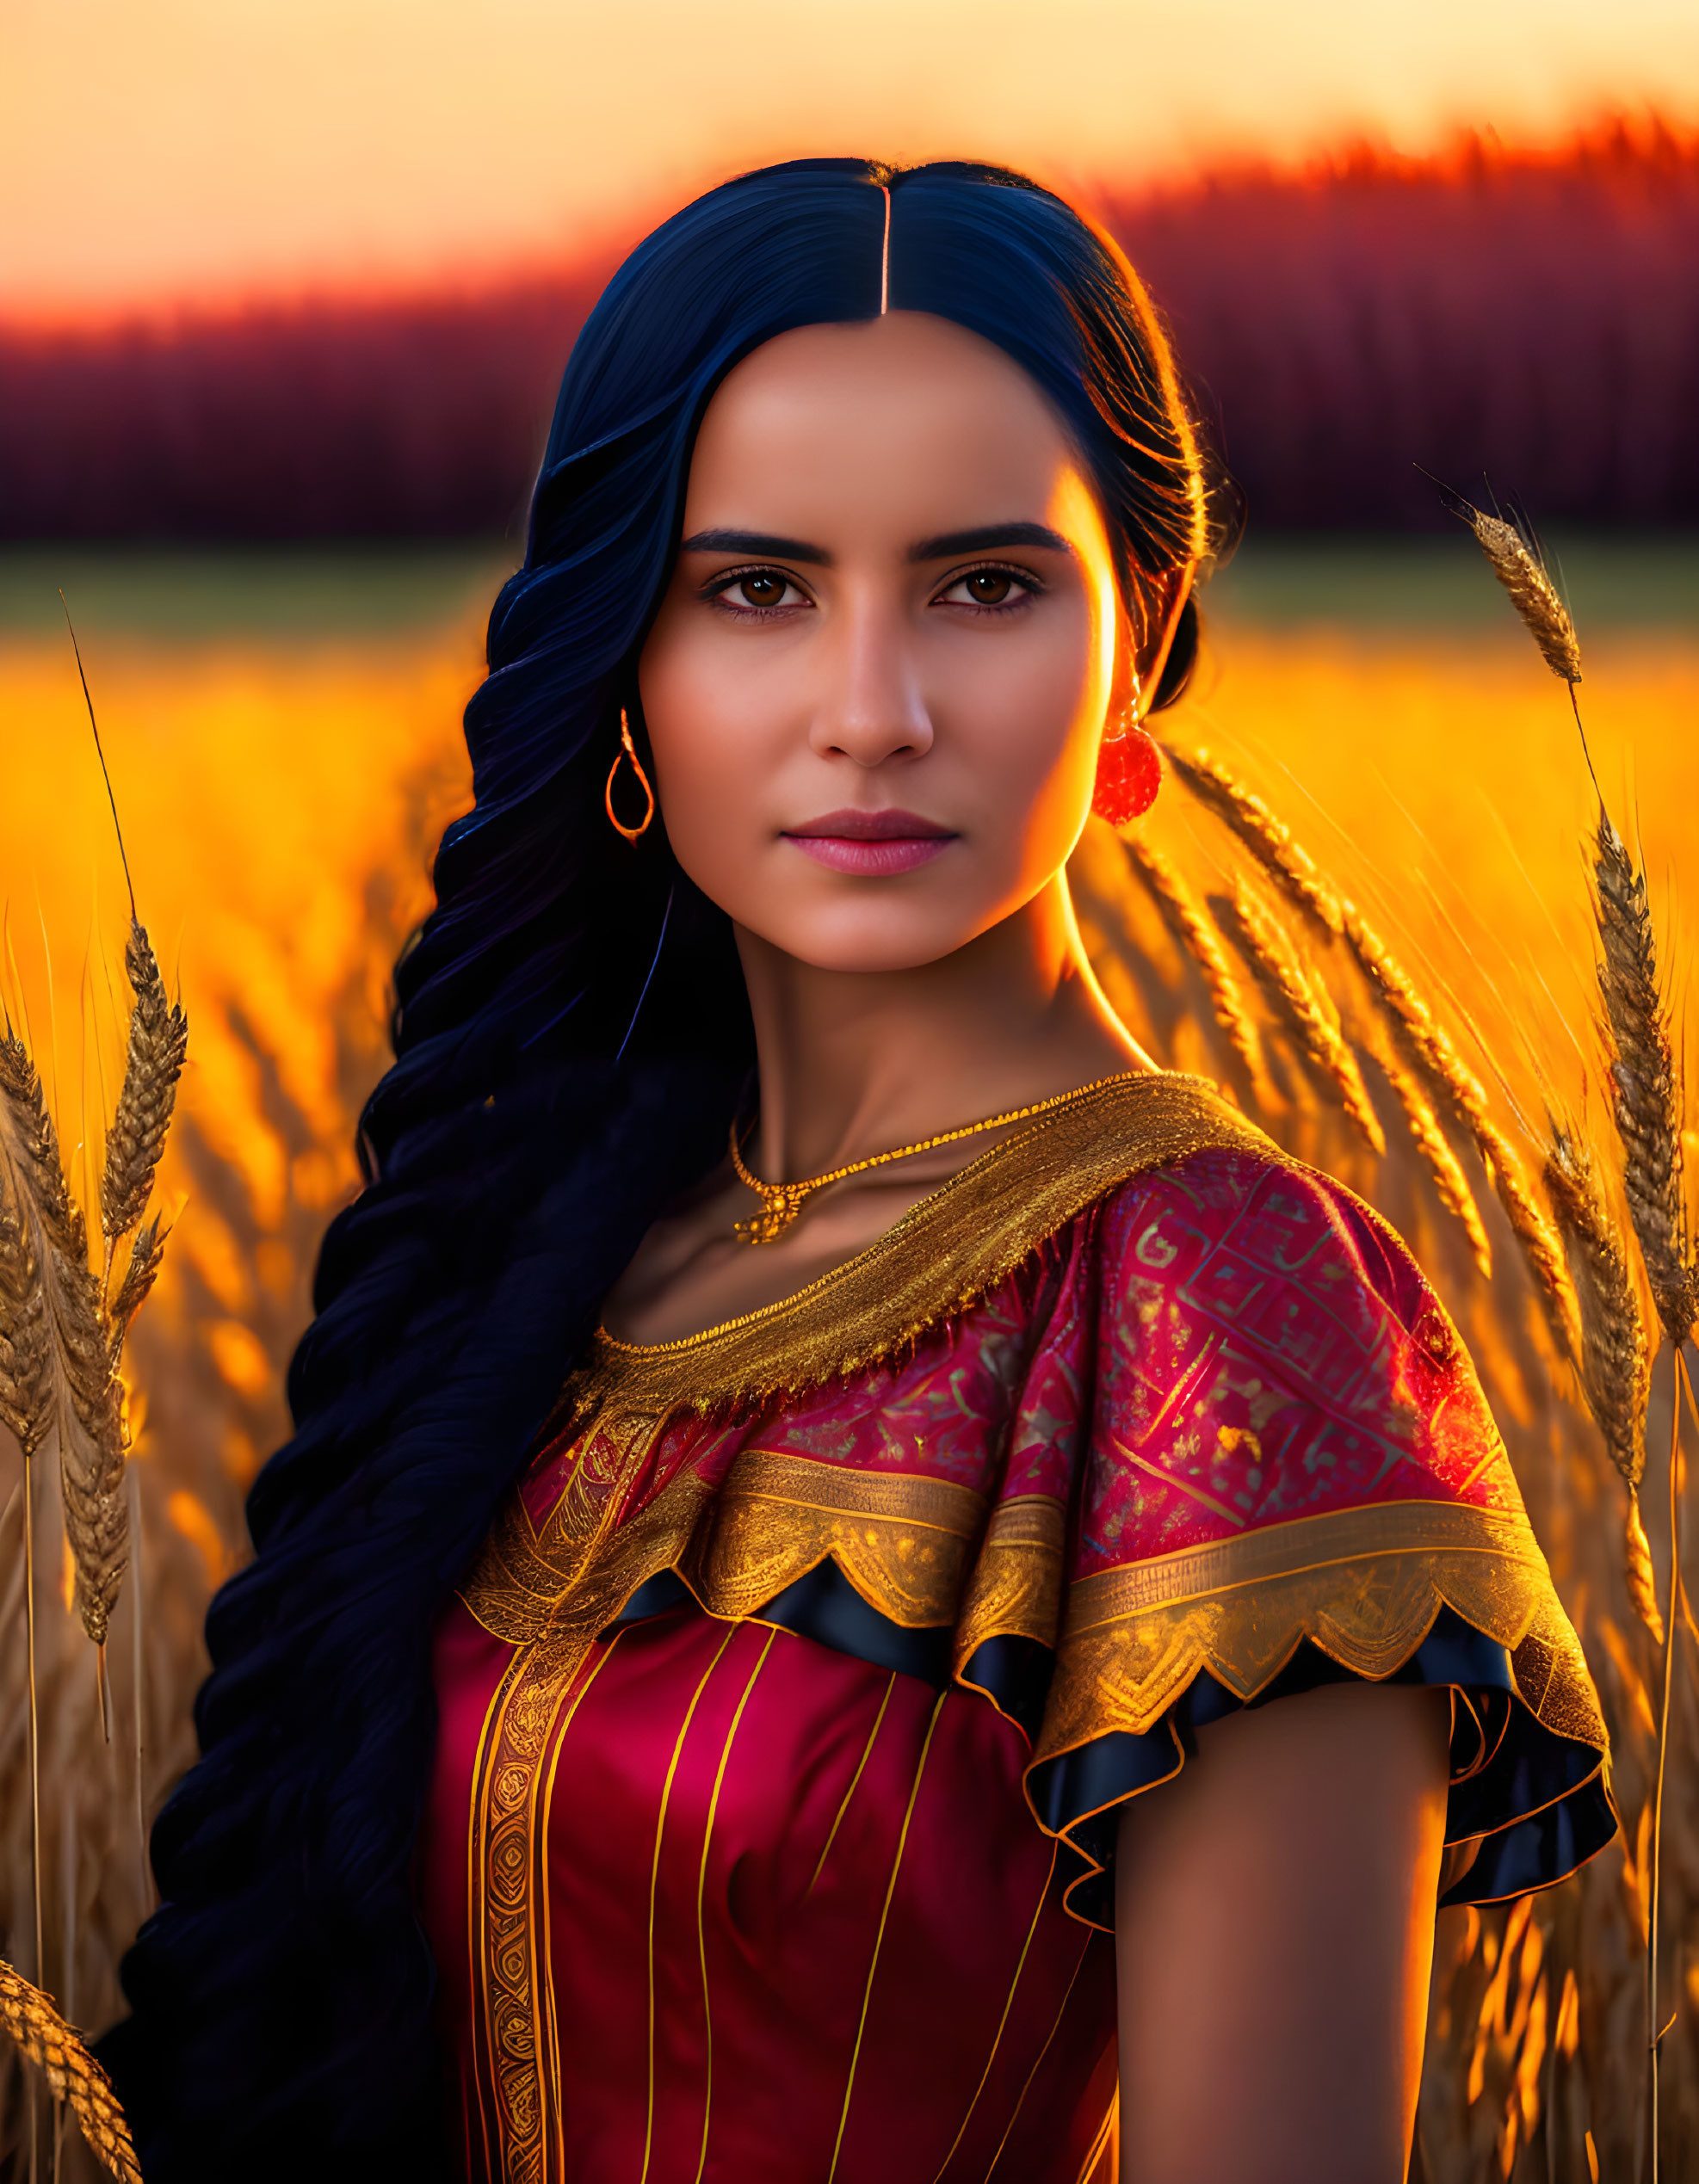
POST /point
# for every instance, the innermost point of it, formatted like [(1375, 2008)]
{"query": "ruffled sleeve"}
[(1278, 1470)]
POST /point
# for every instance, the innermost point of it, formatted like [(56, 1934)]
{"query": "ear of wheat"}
[(1293, 870), (145, 1255), (1429, 1138), (1424, 1041), (1515, 558), (24, 1336), (1295, 1002), (158, 1039), (71, 1394), (72, 2074), (1613, 1362), (1645, 1093), (1434, 1055), (1182, 915), (61, 1333)]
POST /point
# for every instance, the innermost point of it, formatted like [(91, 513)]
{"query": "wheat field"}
[(284, 744)]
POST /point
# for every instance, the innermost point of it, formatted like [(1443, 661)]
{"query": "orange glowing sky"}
[(201, 150)]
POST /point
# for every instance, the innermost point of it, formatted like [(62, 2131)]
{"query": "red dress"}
[(784, 1718)]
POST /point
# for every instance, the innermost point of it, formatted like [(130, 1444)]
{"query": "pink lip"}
[(871, 845)]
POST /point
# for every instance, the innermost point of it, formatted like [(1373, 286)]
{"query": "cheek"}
[(1027, 722), (715, 736)]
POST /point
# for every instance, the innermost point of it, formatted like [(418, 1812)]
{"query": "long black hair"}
[(571, 1038)]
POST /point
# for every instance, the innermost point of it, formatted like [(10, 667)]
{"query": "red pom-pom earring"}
[(1129, 771)]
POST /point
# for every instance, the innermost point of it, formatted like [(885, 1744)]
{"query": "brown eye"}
[(762, 588), (988, 587)]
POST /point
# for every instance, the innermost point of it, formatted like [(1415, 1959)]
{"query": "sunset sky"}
[(204, 151)]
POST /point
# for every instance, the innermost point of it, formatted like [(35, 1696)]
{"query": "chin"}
[(868, 944)]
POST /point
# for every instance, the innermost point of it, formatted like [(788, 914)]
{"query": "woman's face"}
[(876, 685)]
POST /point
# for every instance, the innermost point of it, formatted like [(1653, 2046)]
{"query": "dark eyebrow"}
[(762, 542), (986, 540)]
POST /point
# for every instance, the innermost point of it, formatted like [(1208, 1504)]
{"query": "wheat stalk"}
[(1434, 1056), (1183, 914), (24, 1337), (1296, 873), (1641, 1577), (1269, 839), (73, 1392), (1614, 1363), (158, 1039), (1518, 564), (1429, 1138), (1281, 978), (1646, 1108), (145, 1257), (1645, 1105), (1645, 1096), (72, 2074), (60, 1344)]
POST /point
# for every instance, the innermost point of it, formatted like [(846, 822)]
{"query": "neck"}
[(853, 1063)]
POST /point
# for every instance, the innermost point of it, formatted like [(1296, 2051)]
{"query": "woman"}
[(828, 1740)]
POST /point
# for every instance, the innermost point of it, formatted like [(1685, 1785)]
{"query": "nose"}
[(870, 708)]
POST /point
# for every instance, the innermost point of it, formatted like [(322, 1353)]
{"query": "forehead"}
[(903, 412)]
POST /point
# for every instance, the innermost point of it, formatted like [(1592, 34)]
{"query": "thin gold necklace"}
[(781, 1203)]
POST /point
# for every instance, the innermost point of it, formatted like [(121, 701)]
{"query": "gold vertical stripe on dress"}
[(1003, 2021), (1109, 2132), (867, 1754), (879, 1939), (655, 1881), (549, 2055), (702, 1885), (476, 1938), (1038, 2060)]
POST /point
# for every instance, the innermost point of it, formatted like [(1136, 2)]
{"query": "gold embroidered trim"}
[(1341, 1535), (903, 1540), (1363, 1584), (524, 1597), (942, 1255), (1016, 1587)]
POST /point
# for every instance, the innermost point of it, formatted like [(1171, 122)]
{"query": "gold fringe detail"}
[(72, 2074), (1268, 839), (1294, 999)]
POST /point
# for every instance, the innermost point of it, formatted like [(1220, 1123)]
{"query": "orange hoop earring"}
[(628, 749)]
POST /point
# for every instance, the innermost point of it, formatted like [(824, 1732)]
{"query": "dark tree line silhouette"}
[(1533, 316)]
